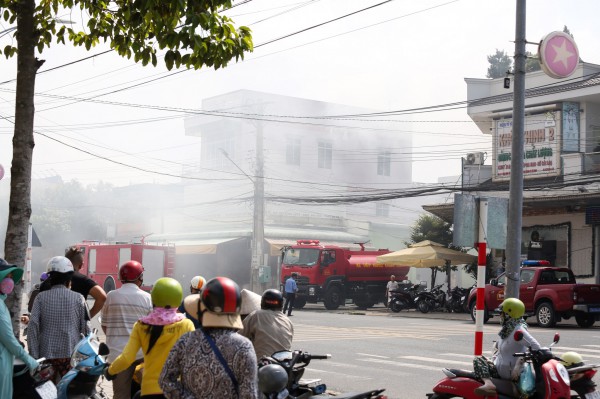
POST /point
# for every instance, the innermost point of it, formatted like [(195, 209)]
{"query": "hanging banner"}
[(570, 126), (541, 157)]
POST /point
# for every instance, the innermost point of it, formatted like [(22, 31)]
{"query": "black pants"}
[(289, 303)]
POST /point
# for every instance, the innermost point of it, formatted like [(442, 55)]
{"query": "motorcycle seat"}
[(453, 373)]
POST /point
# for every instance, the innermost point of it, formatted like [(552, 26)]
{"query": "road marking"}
[(568, 348), (368, 354), (358, 377), (434, 360), (401, 364)]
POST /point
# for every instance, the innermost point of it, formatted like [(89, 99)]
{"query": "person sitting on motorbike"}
[(268, 328), (503, 364), (155, 334)]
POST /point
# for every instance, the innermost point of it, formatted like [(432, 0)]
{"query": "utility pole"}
[(258, 231), (515, 202)]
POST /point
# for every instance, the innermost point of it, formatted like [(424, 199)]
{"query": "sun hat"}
[(6, 269), (250, 302)]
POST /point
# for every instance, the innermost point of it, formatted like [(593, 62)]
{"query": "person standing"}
[(267, 328), (155, 334), (81, 283), (9, 346), (392, 285), (58, 319), (196, 285), (215, 361), (290, 293), (122, 309)]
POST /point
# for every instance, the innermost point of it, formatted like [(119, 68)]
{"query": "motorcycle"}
[(404, 298), (581, 378), (551, 378), (457, 299), (280, 377), (88, 363), (434, 299), (36, 385)]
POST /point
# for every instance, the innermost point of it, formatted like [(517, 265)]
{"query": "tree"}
[(532, 62), (192, 31), (500, 63)]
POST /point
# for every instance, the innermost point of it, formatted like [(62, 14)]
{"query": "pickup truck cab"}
[(549, 293)]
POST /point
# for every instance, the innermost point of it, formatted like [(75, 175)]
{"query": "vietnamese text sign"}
[(541, 157)]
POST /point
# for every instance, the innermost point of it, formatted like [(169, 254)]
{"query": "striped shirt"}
[(122, 309), (58, 318)]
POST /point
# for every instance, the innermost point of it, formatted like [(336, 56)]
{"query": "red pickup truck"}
[(549, 293)]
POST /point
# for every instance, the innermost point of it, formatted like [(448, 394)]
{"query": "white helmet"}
[(60, 264), (197, 282)]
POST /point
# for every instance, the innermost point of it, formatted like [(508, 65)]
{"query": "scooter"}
[(427, 301), (457, 299), (404, 299), (280, 377), (33, 385), (88, 363), (582, 381), (551, 379)]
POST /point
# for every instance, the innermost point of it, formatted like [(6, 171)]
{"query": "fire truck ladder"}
[(170, 260)]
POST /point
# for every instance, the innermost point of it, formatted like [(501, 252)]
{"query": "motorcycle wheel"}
[(397, 306), (423, 306)]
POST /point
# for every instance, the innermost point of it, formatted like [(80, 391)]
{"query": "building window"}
[(292, 154), (382, 209), (325, 155), (384, 160)]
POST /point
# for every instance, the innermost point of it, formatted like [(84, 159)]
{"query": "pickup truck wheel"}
[(473, 311), (333, 298), (299, 303), (585, 320), (545, 315)]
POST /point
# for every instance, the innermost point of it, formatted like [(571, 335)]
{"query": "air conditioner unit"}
[(475, 158)]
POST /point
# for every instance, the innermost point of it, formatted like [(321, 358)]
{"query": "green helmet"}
[(571, 359), (513, 307), (167, 293)]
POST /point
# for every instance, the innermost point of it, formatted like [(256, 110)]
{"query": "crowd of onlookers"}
[(163, 345)]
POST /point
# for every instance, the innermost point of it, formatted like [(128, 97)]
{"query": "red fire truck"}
[(101, 261), (333, 274)]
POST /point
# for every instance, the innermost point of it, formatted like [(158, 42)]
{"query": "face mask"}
[(7, 285)]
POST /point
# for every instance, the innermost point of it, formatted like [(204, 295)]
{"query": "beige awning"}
[(199, 247)]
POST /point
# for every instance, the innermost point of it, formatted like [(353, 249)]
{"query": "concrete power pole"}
[(515, 203), (258, 231)]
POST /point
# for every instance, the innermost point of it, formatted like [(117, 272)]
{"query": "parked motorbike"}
[(457, 299), (581, 376), (88, 363), (280, 376), (551, 378), (404, 299), (427, 301)]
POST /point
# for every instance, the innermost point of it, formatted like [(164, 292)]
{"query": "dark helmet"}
[(130, 271), (222, 295), (271, 299), (272, 378)]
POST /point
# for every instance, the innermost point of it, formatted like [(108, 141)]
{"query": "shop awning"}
[(200, 247)]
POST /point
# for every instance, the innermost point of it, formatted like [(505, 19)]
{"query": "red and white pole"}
[(481, 262)]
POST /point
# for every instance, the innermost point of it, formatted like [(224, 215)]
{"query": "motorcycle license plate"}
[(47, 390), (593, 395)]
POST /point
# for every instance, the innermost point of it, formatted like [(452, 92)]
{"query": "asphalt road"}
[(404, 352)]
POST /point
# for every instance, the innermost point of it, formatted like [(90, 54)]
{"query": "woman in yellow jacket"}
[(155, 334)]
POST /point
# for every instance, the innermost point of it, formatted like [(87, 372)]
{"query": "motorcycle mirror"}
[(556, 338), (518, 335), (103, 349)]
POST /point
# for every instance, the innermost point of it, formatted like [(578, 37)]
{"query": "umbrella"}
[(426, 254)]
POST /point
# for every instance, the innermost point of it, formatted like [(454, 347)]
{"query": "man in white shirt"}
[(123, 308), (392, 285)]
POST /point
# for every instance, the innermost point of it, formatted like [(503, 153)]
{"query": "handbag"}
[(526, 384)]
